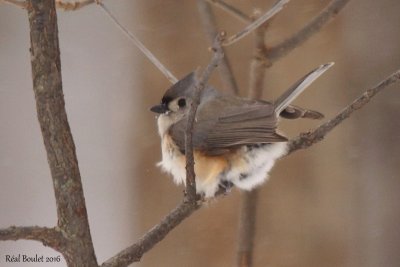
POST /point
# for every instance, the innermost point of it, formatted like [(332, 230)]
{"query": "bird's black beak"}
[(161, 108)]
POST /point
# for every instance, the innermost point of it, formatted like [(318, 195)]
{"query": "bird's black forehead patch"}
[(182, 88), (166, 99)]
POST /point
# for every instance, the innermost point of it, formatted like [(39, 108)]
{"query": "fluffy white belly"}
[(251, 168), (247, 168)]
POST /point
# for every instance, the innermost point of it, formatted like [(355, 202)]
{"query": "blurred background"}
[(335, 204)]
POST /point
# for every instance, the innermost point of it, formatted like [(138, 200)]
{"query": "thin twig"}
[(135, 252), (48, 236), (231, 10), (140, 45), (72, 6), (248, 29), (209, 24), (21, 4), (315, 25), (199, 86), (305, 140)]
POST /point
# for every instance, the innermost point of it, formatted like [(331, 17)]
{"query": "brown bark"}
[(57, 137)]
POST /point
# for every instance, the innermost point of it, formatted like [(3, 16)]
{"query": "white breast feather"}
[(171, 164), (257, 163)]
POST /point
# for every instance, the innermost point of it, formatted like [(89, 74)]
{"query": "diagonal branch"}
[(231, 10), (255, 24), (139, 45), (306, 140), (209, 24), (276, 52), (135, 252), (48, 236)]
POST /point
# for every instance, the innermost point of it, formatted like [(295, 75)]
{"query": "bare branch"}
[(135, 252), (48, 236), (57, 137), (140, 45), (258, 67), (248, 29), (21, 4), (286, 46), (72, 6), (306, 140), (249, 200), (247, 223), (231, 10), (200, 84), (209, 25)]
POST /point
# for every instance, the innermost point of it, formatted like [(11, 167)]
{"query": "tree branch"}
[(247, 224), (57, 137), (209, 24), (257, 67), (306, 140), (140, 45), (260, 20), (275, 53), (48, 236), (135, 252), (249, 200), (231, 10), (199, 86)]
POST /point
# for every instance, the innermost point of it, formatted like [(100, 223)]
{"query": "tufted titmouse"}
[(235, 140)]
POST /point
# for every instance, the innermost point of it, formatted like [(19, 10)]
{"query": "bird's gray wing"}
[(236, 124)]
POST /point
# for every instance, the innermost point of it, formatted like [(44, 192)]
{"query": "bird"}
[(236, 141)]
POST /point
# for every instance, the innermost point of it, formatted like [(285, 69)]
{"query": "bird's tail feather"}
[(296, 89)]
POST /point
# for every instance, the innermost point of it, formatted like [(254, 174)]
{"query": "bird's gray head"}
[(176, 102), (178, 97)]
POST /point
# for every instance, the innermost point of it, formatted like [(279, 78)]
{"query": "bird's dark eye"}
[(181, 102)]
